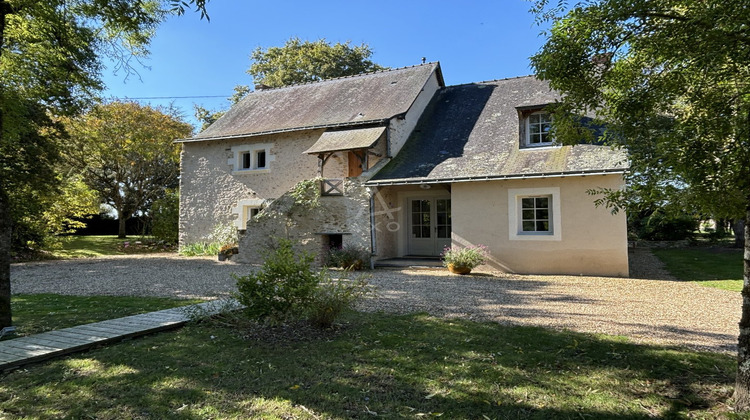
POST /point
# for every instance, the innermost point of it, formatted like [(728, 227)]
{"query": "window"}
[(250, 158), (538, 127), (246, 210), (534, 214)]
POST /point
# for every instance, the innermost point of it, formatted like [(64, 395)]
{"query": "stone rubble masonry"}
[(348, 215)]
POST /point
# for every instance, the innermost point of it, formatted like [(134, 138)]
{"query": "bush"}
[(662, 226), (282, 289), (165, 217), (286, 288), (332, 298), (349, 257), (200, 249)]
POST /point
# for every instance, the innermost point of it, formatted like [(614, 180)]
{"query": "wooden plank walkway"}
[(35, 348)]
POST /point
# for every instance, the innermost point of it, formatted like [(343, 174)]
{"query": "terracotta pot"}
[(458, 269)]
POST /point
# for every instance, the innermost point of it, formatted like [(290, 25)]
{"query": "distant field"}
[(713, 267)]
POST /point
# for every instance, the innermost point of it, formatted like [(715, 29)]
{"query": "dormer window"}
[(538, 127)]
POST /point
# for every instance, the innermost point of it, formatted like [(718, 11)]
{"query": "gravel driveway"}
[(649, 307)]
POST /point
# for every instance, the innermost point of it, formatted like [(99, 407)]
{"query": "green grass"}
[(33, 314), (713, 267), (383, 366), (101, 245)]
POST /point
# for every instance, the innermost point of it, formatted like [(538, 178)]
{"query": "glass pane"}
[(415, 231), (534, 129), (443, 232), (425, 205), (425, 218), (442, 218), (425, 232), (534, 118), (527, 203), (415, 219), (542, 214), (442, 205), (261, 159), (246, 160), (416, 205), (542, 226), (542, 203), (528, 214), (528, 226)]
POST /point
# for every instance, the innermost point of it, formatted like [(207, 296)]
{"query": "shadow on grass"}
[(393, 366)]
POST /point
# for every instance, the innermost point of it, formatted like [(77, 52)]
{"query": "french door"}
[(429, 225)]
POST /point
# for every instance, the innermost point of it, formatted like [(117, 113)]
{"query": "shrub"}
[(349, 257), (332, 298), (663, 226), (165, 216), (468, 257), (200, 249), (283, 287)]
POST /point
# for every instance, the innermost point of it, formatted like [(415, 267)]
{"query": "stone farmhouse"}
[(406, 166)]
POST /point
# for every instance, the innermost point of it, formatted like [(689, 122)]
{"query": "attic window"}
[(538, 127)]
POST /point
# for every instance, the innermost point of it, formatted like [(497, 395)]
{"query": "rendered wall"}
[(592, 240)]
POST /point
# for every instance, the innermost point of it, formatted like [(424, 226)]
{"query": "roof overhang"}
[(422, 181), (335, 141)]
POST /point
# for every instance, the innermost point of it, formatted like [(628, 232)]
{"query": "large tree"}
[(671, 81), (296, 62), (49, 66), (126, 152)]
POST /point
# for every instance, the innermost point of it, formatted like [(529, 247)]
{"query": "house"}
[(406, 166)]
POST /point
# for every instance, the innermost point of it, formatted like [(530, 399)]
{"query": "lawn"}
[(712, 267), (33, 314), (376, 365), (105, 245)]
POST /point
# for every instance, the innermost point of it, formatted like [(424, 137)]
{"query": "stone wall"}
[(210, 188), (347, 215)]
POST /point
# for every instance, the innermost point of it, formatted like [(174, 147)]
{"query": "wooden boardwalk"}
[(35, 348)]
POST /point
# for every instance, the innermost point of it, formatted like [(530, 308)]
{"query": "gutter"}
[(410, 181)]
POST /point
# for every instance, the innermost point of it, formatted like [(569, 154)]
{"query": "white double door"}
[(429, 225)]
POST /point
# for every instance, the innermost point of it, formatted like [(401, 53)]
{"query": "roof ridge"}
[(493, 80), (346, 77)]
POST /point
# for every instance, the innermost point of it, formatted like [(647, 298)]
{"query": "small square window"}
[(534, 214)]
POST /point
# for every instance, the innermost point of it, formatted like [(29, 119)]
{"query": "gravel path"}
[(649, 307)]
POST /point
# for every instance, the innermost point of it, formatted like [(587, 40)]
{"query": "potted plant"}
[(227, 251), (461, 260)]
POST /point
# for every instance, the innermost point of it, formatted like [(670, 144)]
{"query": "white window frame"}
[(527, 129), (515, 222), (237, 161), (243, 210)]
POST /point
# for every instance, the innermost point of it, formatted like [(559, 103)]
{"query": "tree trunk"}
[(738, 227), (5, 240), (742, 385), (121, 230)]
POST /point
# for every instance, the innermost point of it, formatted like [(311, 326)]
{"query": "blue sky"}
[(474, 40)]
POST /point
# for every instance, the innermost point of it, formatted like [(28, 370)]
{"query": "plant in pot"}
[(461, 260), (227, 251)]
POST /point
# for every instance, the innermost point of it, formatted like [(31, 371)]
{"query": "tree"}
[(125, 152), (49, 66), (671, 81), (299, 62)]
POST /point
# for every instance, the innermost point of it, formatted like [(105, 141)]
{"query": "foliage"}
[(125, 152), (198, 249), (305, 61), (283, 288), (332, 297), (306, 194), (465, 257), (669, 81), (663, 226), (50, 65), (165, 217), (408, 366), (349, 257), (34, 314), (712, 267)]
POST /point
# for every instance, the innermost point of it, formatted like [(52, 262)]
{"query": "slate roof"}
[(334, 141), (347, 101), (471, 132)]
